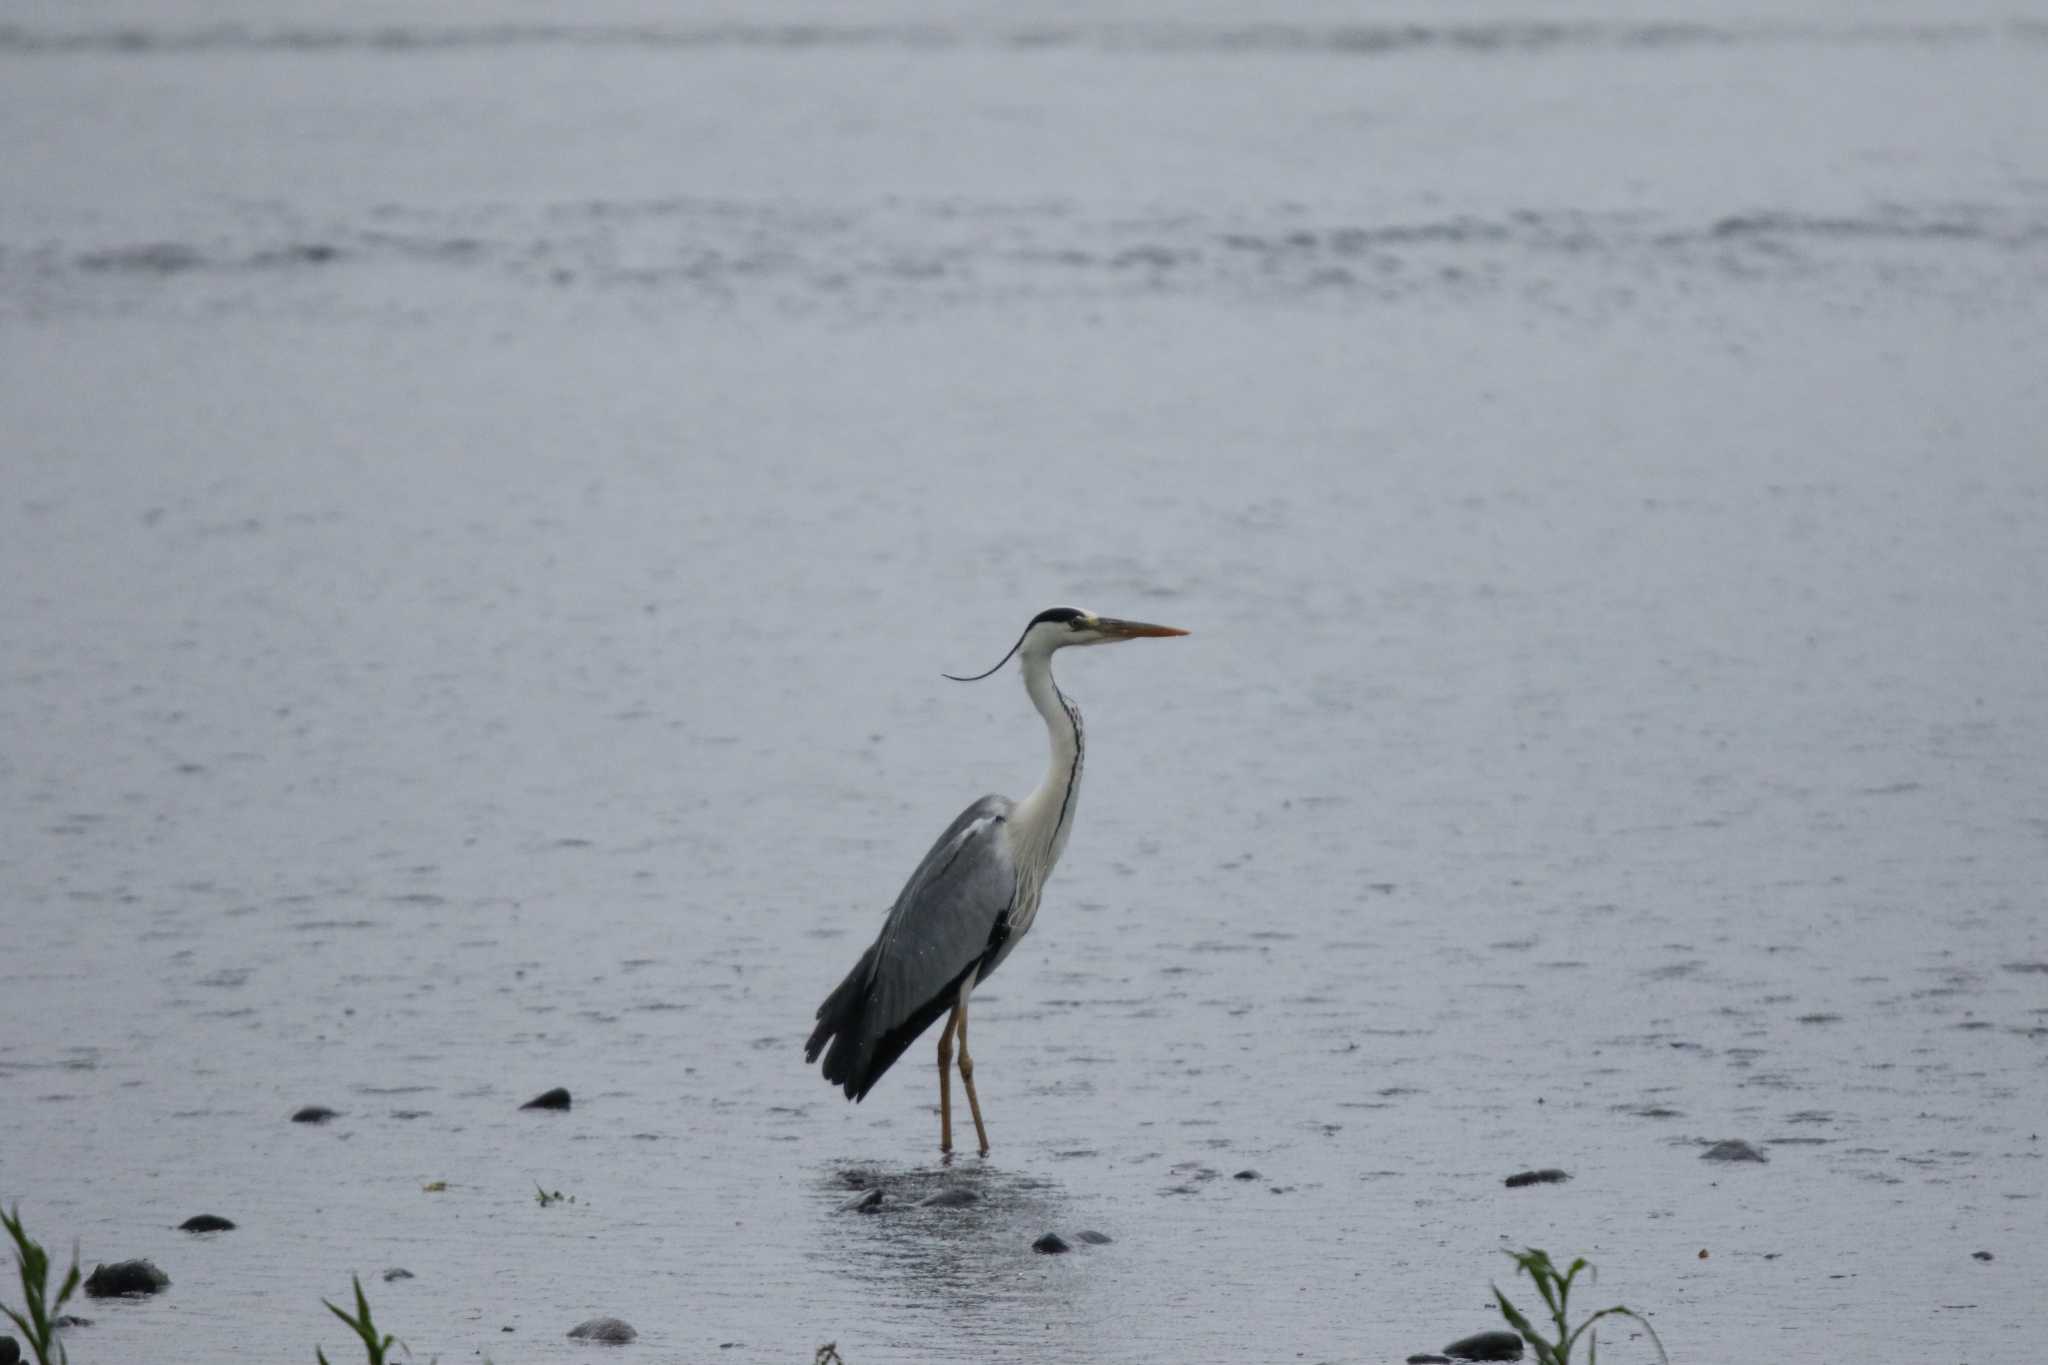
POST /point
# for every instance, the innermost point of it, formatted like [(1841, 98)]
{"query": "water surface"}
[(486, 508)]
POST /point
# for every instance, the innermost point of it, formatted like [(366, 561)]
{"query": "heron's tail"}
[(858, 1044), (839, 1020)]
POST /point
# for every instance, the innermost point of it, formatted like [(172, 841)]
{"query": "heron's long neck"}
[(1042, 819)]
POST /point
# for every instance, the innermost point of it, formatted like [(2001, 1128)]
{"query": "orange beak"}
[(1133, 630)]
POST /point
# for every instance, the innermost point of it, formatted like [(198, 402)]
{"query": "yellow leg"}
[(967, 1079), (946, 1082)]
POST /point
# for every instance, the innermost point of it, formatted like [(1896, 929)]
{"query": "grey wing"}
[(951, 914)]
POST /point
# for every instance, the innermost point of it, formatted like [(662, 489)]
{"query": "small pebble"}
[(603, 1329), (397, 1272), (558, 1098), (1052, 1244), (1732, 1149), (1549, 1175), (1093, 1238), (863, 1203), (1486, 1346), (1981, 1255), (314, 1113), (206, 1222), (125, 1277)]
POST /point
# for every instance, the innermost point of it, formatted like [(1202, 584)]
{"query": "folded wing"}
[(949, 919)]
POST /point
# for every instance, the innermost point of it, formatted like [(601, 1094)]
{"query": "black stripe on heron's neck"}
[(1074, 768)]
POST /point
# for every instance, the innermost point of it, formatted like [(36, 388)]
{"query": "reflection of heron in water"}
[(970, 900)]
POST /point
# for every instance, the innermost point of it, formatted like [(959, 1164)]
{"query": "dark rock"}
[(1981, 1255), (1732, 1149), (10, 1351), (863, 1203), (609, 1330), (1246, 1174), (952, 1197), (558, 1098), (206, 1222), (1486, 1346), (1549, 1175), (1052, 1244), (1427, 1359), (397, 1272), (72, 1320), (1093, 1238), (125, 1277), (314, 1113)]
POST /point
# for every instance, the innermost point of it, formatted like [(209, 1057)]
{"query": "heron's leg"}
[(946, 1081), (967, 1079)]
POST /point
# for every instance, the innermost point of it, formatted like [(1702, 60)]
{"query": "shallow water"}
[(484, 516)]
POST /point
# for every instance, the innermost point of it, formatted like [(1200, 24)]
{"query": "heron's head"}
[(1058, 627)]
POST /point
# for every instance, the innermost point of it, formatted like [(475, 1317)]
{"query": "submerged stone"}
[(1549, 1175), (863, 1203), (1093, 1238), (609, 1330), (125, 1277), (1246, 1174), (1052, 1244), (206, 1222), (1732, 1149), (558, 1098), (1427, 1359), (951, 1197), (397, 1272), (314, 1113), (1486, 1346)]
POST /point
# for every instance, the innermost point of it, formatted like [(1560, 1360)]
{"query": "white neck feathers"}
[(1040, 822)]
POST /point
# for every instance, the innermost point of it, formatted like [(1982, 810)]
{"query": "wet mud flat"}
[(485, 519)]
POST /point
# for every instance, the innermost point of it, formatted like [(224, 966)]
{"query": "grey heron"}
[(970, 900)]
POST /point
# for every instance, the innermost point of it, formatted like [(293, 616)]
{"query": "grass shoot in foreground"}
[(37, 1319), (363, 1327), (1556, 1290)]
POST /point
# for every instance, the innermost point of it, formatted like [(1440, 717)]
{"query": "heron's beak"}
[(1114, 629)]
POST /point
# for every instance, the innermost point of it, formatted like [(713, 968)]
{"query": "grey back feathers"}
[(949, 923)]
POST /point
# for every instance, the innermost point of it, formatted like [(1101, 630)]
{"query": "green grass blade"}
[(1545, 1355)]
